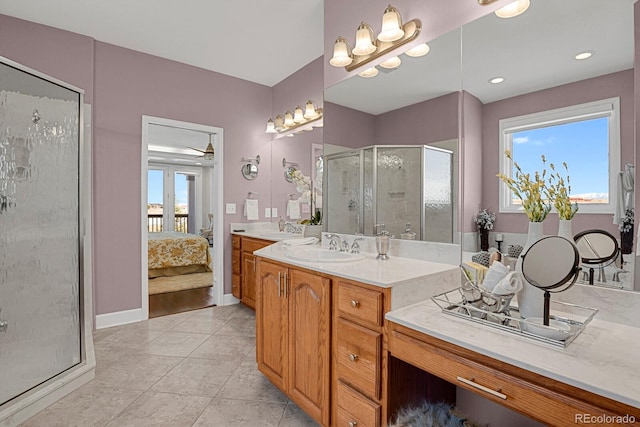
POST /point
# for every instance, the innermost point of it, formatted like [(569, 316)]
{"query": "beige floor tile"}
[(296, 417), (132, 339), (225, 347), (240, 413), (200, 325), (136, 371), (88, 406), (197, 377), (239, 326), (176, 343), (162, 409), (248, 383)]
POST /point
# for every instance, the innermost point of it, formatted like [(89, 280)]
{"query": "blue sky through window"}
[(584, 145), (155, 187)]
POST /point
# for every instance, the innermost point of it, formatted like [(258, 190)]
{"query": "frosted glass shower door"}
[(342, 206), (40, 258)]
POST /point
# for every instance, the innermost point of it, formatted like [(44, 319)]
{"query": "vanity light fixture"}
[(513, 9), (393, 35), (300, 117), (391, 63), (584, 55), (419, 50), (496, 80), (369, 72)]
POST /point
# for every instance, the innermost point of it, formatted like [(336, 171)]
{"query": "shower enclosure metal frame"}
[(361, 153), (28, 403)]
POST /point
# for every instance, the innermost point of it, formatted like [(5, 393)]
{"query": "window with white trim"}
[(585, 136)]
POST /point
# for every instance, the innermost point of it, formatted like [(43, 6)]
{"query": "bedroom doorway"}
[(182, 190)]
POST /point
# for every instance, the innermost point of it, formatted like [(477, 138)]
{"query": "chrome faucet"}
[(355, 247), (333, 241), (344, 246)]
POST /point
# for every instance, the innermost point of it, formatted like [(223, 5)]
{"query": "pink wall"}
[(347, 127), (438, 17), (471, 160), (612, 85), (130, 84), (636, 79), (421, 123)]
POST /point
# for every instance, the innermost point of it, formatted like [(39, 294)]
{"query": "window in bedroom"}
[(175, 187), (586, 136)]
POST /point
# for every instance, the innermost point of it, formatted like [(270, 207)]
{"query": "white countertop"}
[(385, 274), (603, 359)]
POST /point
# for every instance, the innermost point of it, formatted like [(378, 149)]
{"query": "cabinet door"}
[(309, 343), (248, 280), (272, 323)]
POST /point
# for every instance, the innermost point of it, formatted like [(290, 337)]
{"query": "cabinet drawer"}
[(250, 245), (235, 286), (235, 261), (235, 242), (355, 410), (359, 356), (360, 303), (538, 402)]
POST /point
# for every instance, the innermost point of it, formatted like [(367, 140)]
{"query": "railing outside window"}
[(155, 223)]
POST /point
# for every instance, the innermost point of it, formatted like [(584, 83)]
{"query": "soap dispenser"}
[(382, 244), (408, 234), (281, 225)]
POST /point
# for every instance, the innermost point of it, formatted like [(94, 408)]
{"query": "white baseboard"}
[(117, 318), (229, 299)]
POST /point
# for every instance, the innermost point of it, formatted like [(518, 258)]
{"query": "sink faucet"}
[(333, 242), (355, 247), (344, 246)]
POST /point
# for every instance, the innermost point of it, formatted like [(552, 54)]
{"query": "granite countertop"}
[(385, 274), (603, 359)]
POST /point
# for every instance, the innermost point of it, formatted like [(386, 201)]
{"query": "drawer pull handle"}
[(353, 423), (355, 304), (483, 388), (353, 357)]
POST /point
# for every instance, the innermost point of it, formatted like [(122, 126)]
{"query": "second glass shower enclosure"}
[(395, 185)]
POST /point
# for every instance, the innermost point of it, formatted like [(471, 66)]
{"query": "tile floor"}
[(189, 369)]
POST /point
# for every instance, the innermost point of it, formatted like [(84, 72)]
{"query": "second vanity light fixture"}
[(511, 10), (298, 118), (367, 48)]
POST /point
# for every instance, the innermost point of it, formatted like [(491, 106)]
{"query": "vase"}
[(313, 231), (530, 298), (484, 239), (626, 241), (564, 229)]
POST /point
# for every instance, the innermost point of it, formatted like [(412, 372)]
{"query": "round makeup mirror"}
[(597, 248), (250, 171), (288, 173), (551, 264)]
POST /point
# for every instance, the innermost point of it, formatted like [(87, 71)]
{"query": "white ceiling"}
[(256, 40)]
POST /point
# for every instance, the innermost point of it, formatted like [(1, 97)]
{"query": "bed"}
[(174, 253)]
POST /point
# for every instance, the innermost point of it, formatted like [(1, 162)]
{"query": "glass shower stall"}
[(401, 186), (44, 306)]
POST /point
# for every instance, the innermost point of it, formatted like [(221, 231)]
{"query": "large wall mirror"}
[(535, 55), (380, 128)]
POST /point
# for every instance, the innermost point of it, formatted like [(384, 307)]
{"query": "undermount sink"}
[(280, 235), (322, 255)]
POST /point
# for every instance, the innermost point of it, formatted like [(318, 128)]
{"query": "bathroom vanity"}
[(595, 376), (320, 328)]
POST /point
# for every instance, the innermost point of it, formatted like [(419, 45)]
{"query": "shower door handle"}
[(3, 324)]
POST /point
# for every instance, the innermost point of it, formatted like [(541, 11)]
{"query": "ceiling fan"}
[(208, 152)]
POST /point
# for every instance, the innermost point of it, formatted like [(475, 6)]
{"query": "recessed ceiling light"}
[(513, 9), (584, 55), (496, 80)]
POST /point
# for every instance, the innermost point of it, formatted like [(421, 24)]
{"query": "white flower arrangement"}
[(303, 186), (485, 219)]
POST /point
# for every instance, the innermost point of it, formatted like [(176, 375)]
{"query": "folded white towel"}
[(293, 209), (510, 284), (495, 273), (251, 209), (300, 241)]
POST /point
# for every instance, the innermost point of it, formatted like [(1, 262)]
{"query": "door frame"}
[(216, 203)]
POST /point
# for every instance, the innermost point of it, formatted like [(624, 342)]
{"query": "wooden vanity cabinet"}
[(546, 400), (359, 360), (243, 268), (293, 341)]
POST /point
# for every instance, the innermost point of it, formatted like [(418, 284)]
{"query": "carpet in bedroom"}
[(161, 285)]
